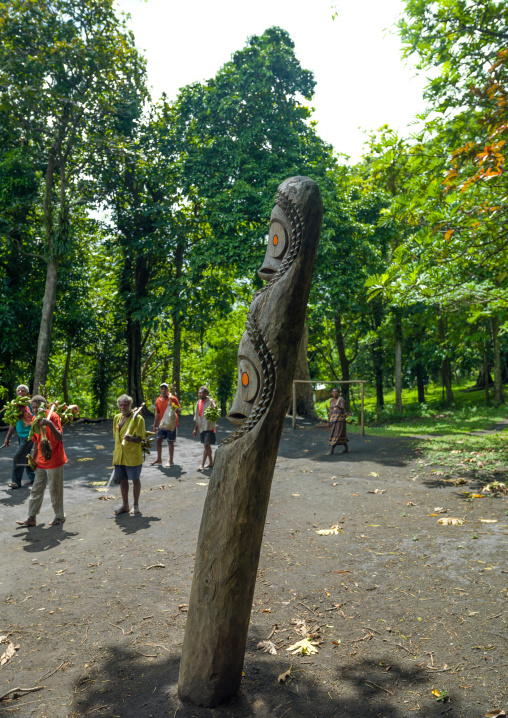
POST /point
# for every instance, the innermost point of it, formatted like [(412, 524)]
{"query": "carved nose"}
[(270, 266), (239, 411)]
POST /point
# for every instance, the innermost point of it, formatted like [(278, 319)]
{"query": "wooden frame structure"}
[(335, 381)]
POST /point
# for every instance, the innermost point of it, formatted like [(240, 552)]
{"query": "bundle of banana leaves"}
[(67, 413), (211, 413), (36, 428), (147, 443), (14, 410)]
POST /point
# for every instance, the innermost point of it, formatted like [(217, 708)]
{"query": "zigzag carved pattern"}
[(297, 229), (268, 367)]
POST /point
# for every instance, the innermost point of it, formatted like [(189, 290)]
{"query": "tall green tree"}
[(62, 65)]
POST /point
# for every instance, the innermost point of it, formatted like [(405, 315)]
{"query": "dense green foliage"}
[(131, 228)]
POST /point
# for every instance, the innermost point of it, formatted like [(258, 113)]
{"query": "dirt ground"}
[(402, 605)]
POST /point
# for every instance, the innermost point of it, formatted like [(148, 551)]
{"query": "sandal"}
[(135, 510), (56, 521), (27, 522), (14, 486), (121, 510)]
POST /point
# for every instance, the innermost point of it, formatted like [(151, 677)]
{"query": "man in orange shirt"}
[(160, 407), (49, 471)]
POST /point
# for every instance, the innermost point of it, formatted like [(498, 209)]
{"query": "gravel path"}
[(400, 604)]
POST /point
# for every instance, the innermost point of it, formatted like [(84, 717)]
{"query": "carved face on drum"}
[(278, 243), (249, 383)]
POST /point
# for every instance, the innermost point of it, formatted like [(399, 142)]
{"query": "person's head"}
[(203, 392), (37, 401), (335, 393), (22, 390), (342, 402), (124, 403), (164, 390)]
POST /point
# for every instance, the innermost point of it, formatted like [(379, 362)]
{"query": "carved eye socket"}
[(277, 241), (249, 380)]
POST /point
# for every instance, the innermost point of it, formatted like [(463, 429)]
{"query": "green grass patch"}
[(442, 435)]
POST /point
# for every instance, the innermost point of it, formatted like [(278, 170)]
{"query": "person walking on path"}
[(337, 420), (129, 432), (205, 428), (165, 399), (22, 428), (49, 471)]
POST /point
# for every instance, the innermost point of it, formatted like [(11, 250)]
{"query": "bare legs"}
[(136, 490), (171, 447), (207, 454)]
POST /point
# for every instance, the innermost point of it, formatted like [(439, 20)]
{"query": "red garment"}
[(58, 457), (161, 405), (201, 404)]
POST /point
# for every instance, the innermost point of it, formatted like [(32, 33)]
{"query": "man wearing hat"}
[(161, 405)]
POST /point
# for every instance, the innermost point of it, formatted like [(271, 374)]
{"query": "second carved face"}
[(249, 382)]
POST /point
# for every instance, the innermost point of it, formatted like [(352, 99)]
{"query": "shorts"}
[(207, 437), (127, 473), (166, 434)]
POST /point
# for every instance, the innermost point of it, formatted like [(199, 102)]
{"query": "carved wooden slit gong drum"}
[(235, 509)]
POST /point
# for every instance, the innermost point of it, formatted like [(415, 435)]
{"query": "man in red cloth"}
[(49, 472), (161, 405)]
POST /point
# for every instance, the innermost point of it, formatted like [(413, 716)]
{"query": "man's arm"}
[(10, 432), (54, 430), (156, 419)]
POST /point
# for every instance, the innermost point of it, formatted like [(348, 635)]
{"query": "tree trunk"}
[(486, 373), (498, 379), (343, 359), (304, 392), (446, 368), (398, 362), (46, 326), (177, 354), (49, 299), (177, 324), (66, 375), (420, 383), (377, 353), (134, 385)]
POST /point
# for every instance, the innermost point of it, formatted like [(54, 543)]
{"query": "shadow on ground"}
[(123, 685)]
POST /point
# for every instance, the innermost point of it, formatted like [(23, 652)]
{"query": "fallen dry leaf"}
[(488, 521), (448, 521), (496, 713), (305, 647), (97, 483), (496, 487), (284, 676), (373, 473), (267, 647), (410, 503), (100, 446), (9, 651), (87, 458), (377, 491), (201, 483), (440, 510), (330, 532), (106, 498)]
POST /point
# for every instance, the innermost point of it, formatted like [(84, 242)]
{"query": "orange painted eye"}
[(275, 240), (245, 379)]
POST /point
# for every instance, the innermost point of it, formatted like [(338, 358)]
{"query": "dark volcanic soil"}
[(401, 604)]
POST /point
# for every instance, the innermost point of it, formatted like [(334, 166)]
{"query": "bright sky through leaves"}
[(362, 82)]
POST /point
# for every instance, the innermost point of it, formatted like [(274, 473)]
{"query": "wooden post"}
[(294, 405), (233, 522), (363, 397)]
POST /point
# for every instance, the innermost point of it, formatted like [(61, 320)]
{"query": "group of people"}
[(129, 433)]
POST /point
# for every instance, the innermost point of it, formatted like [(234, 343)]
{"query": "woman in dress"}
[(337, 420)]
